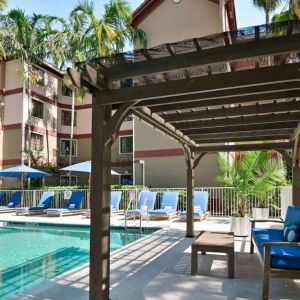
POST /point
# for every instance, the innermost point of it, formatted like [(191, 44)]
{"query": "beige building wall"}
[(172, 22), (165, 163), (164, 160)]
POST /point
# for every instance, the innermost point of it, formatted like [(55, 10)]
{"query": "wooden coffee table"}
[(208, 241)]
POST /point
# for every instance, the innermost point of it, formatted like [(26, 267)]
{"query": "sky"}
[(247, 14)]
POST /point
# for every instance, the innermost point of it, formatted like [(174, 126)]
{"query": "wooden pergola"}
[(233, 91)]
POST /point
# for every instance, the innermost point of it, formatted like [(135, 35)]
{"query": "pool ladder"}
[(126, 211)]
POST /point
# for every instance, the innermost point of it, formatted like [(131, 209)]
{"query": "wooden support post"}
[(191, 163), (296, 172), (190, 196), (100, 204)]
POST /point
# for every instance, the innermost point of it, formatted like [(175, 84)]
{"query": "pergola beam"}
[(230, 80), (245, 147), (241, 128), (256, 109), (255, 48), (225, 100), (257, 119), (258, 134), (243, 139)]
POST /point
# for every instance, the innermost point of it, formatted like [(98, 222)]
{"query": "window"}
[(65, 180), (65, 147), (37, 109), (128, 118), (126, 179), (66, 91), (66, 117), (36, 142), (126, 144), (38, 76)]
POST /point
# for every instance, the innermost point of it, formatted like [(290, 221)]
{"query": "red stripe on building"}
[(9, 162), (10, 126), (159, 153), (121, 163)]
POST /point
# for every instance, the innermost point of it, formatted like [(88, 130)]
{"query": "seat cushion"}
[(282, 257), (162, 212)]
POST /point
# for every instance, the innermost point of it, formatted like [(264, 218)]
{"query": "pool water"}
[(33, 253)]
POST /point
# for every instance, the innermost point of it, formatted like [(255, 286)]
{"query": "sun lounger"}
[(146, 203), (14, 201), (44, 204), (168, 208), (200, 206), (72, 207), (115, 199)]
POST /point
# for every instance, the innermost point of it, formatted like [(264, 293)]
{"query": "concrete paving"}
[(158, 267)]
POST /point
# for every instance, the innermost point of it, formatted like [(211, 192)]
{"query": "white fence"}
[(222, 200)]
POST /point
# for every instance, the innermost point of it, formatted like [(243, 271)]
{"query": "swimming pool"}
[(33, 253)]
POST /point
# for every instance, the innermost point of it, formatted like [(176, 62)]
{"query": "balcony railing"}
[(221, 200)]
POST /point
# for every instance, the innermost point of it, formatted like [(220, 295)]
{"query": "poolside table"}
[(208, 241)]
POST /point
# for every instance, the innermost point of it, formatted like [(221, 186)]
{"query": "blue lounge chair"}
[(278, 249), (73, 206), (168, 206), (44, 204), (115, 199), (146, 203), (200, 206), (14, 201)]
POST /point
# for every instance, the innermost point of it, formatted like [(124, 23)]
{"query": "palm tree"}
[(3, 4), (268, 6), (24, 39), (251, 173), (291, 10)]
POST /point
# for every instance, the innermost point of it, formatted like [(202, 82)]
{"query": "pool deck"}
[(158, 267)]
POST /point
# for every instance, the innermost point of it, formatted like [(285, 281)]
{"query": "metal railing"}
[(222, 201)]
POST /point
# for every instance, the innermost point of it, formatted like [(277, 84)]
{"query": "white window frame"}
[(67, 176), (75, 117), (37, 100), (123, 136), (76, 148), (42, 135)]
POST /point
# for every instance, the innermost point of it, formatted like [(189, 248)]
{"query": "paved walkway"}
[(158, 267)]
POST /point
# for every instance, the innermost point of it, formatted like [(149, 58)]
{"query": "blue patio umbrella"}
[(24, 172), (85, 167)]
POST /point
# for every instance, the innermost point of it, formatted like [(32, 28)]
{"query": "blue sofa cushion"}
[(291, 233), (282, 257)]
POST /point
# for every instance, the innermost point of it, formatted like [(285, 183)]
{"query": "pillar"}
[(190, 198), (100, 204), (296, 184)]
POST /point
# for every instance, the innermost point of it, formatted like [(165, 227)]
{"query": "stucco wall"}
[(174, 22)]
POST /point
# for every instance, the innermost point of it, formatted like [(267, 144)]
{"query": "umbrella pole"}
[(22, 189), (89, 191)]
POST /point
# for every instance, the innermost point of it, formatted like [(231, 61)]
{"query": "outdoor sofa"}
[(14, 201), (115, 200), (2, 196), (168, 206), (44, 204), (146, 202), (200, 206), (73, 206), (278, 249)]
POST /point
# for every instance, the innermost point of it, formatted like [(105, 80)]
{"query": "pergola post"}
[(191, 163), (100, 203), (190, 196), (296, 173)]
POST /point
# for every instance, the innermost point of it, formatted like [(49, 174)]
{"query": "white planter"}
[(240, 226), (259, 213)]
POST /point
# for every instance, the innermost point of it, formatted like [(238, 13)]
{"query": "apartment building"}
[(140, 154), (165, 21), (50, 125)]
